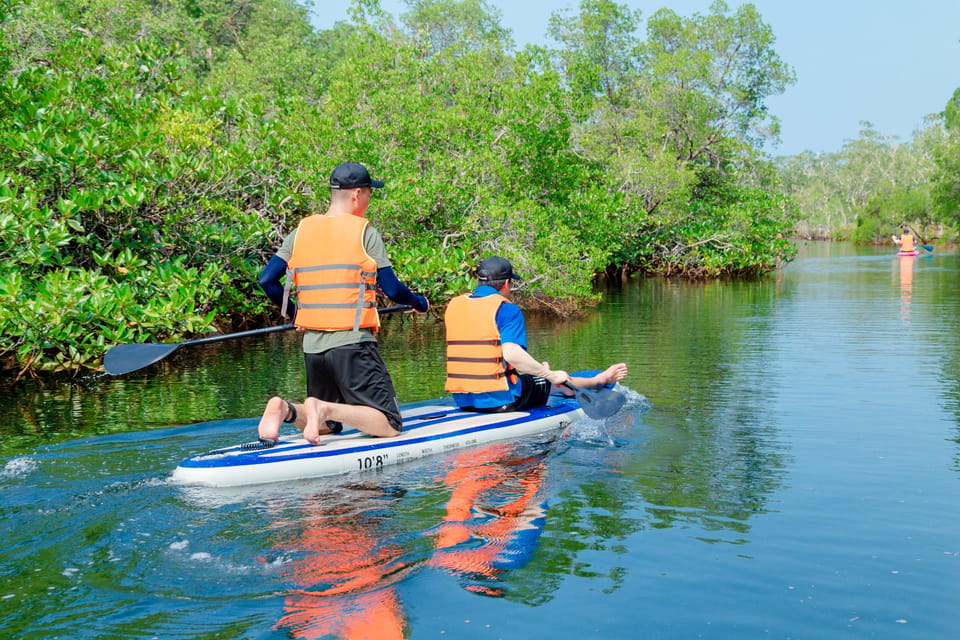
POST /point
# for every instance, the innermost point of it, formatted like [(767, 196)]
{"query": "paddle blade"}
[(125, 358), (600, 403)]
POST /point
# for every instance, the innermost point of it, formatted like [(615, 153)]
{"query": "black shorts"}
[(354, 374), (534, 392)]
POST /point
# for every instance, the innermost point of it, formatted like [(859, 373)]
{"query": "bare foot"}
[(316, 411), (273, 414), (614, 373)]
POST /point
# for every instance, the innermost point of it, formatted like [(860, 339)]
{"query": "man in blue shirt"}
[(488, 366)]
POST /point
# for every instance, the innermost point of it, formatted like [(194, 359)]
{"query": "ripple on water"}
[(18, 468)]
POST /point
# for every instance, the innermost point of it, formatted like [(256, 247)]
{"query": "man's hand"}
[(554, 377), (518, 358), (422, 305)]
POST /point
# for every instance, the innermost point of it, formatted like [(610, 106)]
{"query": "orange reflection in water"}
[(345, 578), (346, 574), (494, 517), (906, 287)]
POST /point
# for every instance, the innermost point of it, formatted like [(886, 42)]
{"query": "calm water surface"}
[(787, 467)]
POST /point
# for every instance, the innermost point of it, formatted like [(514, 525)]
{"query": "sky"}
[(884, 62)]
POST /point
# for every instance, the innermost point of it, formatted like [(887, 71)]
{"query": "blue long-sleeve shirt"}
[(271, 281)]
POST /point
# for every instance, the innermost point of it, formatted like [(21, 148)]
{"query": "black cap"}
[(495, 268), (350, 175)]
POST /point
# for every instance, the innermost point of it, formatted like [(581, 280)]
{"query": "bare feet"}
[(273, 414), (614, 373), (316, 411)]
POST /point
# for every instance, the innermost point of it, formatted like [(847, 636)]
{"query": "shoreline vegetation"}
[(152, 156)]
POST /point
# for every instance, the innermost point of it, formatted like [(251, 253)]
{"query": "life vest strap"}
[(468, 376), (332, 285), (332, 305), (333, 267)]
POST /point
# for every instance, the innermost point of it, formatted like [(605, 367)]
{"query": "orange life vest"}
[(906, 242), (335, 278), (475, 361)]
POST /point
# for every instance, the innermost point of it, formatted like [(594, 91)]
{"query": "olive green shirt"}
[(320, 341)]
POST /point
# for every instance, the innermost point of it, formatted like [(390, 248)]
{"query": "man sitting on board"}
[(488, 367), (905, 240), (337, 261)]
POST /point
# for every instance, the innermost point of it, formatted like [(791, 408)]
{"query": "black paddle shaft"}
[(125, 358)]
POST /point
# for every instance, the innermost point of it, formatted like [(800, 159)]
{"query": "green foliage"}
[(891, 209), (452, 25), (675, 119), (599, 54), (951, 112), (153, 154), (709, 76), (130, 203), (867, 190), (59, 322), (272, 58), (946, 173), (730, 231), (491, 170)]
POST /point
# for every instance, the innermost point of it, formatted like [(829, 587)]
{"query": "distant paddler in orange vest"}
[(905, 240), (488, 367), (336, 261)]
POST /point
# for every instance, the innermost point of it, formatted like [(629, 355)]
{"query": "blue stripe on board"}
[(268, 456)]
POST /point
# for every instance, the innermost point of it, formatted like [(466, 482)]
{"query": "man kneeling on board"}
[(337, 261)]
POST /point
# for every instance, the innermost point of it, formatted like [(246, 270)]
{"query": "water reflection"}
[(493, 519), (799, 438), (342, 578), (348, 554), (710, 359), (905, 267)]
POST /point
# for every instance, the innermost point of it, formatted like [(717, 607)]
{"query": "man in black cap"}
[(350, 175), (488, 367), (337, 261)]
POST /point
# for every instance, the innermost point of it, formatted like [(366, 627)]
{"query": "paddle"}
[(597, 403), (125, 358), (927, 247)]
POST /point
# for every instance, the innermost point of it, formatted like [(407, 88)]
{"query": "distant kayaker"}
[(488, 367), (337, 260), (905, 240)]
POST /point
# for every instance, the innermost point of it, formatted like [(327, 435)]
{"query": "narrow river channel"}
[(787, 467)]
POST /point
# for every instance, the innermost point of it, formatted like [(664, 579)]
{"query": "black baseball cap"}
[(495, 268), (350, 175)]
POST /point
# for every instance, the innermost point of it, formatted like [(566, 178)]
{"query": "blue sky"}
[(889, 63)]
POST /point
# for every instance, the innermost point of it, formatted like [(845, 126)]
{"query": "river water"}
[(787, 467)]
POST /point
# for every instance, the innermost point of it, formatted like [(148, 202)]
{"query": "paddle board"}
[(428, 428)]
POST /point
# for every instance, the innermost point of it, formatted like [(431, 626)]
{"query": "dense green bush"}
[(732, 231), (153, 155), (127, 208)]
